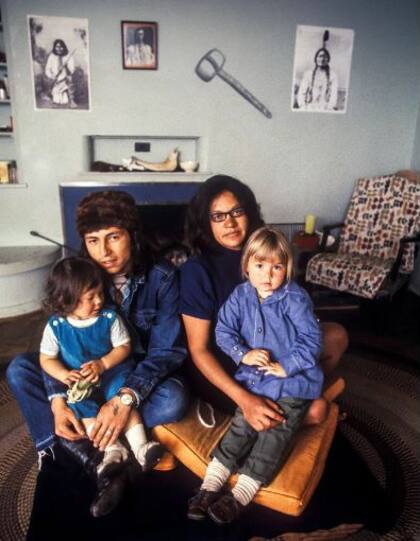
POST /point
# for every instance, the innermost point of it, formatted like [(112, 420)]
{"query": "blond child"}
[(268, 328)]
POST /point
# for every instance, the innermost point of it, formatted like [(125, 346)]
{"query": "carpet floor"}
[(372, 475)]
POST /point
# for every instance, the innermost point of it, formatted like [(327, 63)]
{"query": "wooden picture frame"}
[(139, 45)]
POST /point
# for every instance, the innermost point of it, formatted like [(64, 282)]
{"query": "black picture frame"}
[(139, 43)]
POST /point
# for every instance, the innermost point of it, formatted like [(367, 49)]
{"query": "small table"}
[(304, 246)]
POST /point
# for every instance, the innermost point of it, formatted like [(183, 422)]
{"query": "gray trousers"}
[(260, 455)]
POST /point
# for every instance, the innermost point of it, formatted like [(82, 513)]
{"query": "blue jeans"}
[(167, 403)]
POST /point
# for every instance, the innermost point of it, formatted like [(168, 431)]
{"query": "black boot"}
[(110, 492), (110, 482), (85, 454)]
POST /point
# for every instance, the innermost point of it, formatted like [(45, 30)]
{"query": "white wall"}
[(296, 163)]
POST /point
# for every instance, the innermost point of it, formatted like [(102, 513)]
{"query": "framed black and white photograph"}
[(139, 45), (59, 48), (321, 71)]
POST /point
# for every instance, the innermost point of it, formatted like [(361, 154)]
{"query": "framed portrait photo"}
[(60, 62), (321, 73), (139, 45)]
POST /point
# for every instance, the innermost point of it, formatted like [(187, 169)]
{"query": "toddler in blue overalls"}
[(268, 328), (87, 348)]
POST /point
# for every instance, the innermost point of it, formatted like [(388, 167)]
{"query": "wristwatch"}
[(126, 398)]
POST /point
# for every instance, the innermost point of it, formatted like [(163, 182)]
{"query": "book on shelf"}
[(8, 172)]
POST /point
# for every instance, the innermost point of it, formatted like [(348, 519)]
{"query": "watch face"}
[(126, 399)]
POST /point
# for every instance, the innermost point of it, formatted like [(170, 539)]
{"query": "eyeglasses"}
[(219, 217)]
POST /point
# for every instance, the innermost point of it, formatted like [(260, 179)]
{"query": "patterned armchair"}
[(377, 242)]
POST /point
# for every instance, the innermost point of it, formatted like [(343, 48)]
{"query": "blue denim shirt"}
[(150, 310), (285, 325)]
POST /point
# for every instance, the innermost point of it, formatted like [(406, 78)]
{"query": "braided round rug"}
[(18, 469), (383, 426), (382, 401)]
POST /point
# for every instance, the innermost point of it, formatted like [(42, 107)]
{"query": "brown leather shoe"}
[(198, 504), (225, 510)]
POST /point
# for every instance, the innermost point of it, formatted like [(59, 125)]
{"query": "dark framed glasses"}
[(222, 216)]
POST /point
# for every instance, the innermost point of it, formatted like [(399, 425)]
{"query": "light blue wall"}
[(296, 163), (416, 147)]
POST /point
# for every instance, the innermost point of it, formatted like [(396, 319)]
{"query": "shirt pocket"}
[(146, 318)]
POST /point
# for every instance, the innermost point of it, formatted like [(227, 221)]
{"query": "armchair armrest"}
[(397, 263), (325, 232)]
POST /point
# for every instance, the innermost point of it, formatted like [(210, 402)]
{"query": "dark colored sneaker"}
[(198, 504), (225, 510), (153, 455)]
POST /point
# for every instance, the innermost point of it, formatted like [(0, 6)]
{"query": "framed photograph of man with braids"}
[(321, 71), (139, 45), (59, 49)]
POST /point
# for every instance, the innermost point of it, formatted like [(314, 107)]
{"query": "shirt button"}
[(235, 348), (259, 329)]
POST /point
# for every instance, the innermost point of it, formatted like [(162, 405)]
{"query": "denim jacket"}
[(285, 325), (150, 310)]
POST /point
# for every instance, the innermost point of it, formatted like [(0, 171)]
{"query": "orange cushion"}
[(291, 489)]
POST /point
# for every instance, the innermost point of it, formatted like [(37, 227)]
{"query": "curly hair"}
[(68, 280), (105, 209), (198, 232)]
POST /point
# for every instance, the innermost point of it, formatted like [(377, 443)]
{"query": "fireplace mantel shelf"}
[(95, 178)]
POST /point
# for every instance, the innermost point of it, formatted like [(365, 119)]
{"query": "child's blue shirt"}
[(285, 325), (79, 345)]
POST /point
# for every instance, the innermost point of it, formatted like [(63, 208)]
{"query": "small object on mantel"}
[(169, 165), (310, 224), (305, 242), (189, 166)]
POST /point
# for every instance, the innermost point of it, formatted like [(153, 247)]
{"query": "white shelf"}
[(6, 134), (13, 186), (6, 102), (100, 179)]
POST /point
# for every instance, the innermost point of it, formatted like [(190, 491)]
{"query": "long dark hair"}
[(101, 210), (63, 45), (198, 232), (326, 69), (68, 280)]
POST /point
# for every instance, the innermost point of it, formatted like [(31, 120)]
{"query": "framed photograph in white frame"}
[(59, 49), (321, 70)]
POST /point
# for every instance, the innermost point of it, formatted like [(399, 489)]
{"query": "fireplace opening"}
[(163, 227)]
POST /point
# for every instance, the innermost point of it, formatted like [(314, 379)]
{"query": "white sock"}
[(137, 439), (216, 476), (114, 453), (245, 489)]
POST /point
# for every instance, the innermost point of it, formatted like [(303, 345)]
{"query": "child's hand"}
[(275, 369), (71, 376), (257, 357), (92, 370)]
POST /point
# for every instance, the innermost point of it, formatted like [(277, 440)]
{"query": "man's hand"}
[(261, 413), (66, 423), (274, 368), (256, 357), (92, 370), (110, 421)]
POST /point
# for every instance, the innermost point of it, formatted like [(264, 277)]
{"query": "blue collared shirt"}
[(285, 325)]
